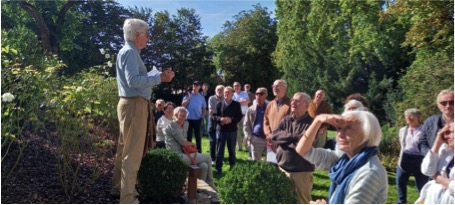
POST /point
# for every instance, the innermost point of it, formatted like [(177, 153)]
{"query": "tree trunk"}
[(49, 41), (44, 34)]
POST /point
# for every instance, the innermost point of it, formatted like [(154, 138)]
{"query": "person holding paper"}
[(133, 109)]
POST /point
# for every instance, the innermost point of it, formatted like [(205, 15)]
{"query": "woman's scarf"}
[(341, 173)]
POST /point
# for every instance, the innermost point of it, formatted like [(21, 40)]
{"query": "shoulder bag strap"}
[(193, 159), (404, 136)]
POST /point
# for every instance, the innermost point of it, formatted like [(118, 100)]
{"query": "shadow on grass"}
[(322, 187), (321, 176)]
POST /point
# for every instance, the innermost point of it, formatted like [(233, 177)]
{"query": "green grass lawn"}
[(321, 179)]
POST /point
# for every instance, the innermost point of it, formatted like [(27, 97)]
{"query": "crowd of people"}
[(288, 131)]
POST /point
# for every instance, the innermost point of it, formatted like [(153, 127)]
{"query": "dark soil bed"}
[(35, 178)]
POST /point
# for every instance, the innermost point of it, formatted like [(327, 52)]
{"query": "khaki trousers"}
[(132, 114), (303, 184), (322, 138), (258, 147), (204, 162), (241, 140)]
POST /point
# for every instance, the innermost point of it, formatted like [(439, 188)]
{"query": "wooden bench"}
[(194, 172)]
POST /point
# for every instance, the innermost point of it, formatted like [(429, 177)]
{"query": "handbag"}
[(411, 163), (188, 150)]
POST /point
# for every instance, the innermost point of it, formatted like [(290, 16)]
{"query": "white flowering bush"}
[(61, 109), (7, 97), (21, 114), (108, 66)]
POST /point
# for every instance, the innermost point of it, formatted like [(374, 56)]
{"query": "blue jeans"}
[(212, 140), (204, 123), (230, 139), (402, 178), (196, 126)]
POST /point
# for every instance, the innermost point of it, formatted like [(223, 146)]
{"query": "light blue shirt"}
[(132, 79), (195, 106), (239, 97)]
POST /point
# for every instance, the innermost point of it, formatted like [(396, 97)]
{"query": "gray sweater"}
[(174, 136)]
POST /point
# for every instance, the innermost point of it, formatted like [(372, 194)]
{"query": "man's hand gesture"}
[(167, 75)]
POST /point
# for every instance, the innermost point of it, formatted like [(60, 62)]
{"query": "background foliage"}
[(243, 49), (377, 48)]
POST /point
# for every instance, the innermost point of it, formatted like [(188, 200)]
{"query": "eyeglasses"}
[(445, 103), (236, 85), (261, 94)]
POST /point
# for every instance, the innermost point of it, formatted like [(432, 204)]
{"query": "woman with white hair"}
[(357, 174), (175, 138)]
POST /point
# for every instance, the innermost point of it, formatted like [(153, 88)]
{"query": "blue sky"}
[(213, 13)]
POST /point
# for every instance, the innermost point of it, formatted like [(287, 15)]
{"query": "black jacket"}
[(233, 110)]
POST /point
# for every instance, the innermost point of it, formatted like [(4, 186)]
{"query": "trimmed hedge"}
[(256, 182), (162, 176)]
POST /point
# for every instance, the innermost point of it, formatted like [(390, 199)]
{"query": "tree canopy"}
[(243, 50), (346, 47), (398, 54)]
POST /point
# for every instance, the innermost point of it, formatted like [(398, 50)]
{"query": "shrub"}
[(389, 148), (162, 176), (256, 182), (100, 98)]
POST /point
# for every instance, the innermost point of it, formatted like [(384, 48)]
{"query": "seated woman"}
[(175, 137), (438, 164), (162, 123), (357, 174)]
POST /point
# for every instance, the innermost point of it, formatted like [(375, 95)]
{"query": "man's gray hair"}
[(133, 26), (219, 86), (444, 92), (306, 98), (263, 89), (412, 111), (229, 88), (284, 82)]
